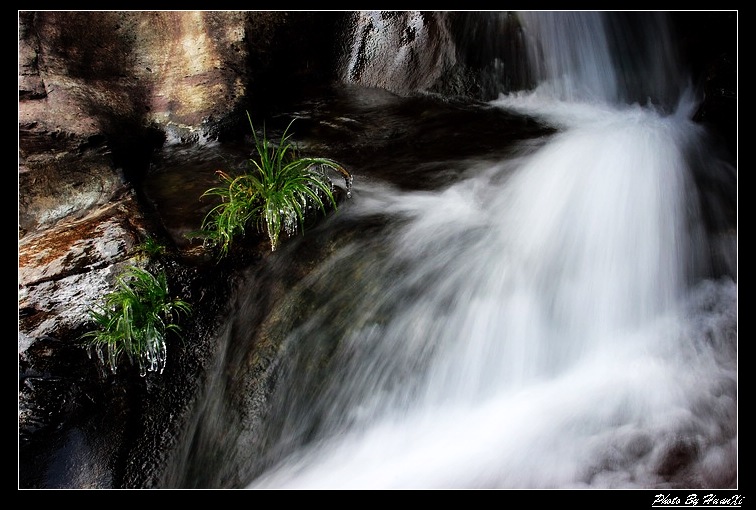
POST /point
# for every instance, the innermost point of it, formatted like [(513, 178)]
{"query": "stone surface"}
[(67, 268), (99, 93)]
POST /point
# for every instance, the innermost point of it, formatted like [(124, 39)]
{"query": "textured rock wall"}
[(88, 70), (99, 92)]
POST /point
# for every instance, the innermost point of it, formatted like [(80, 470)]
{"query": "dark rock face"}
[(99, 92), (172, 69), (711, 47)]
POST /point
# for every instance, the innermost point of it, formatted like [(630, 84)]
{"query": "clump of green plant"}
[(134, 320), (151, 247), (276, 194)]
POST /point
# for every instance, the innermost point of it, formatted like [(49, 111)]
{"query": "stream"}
[(534, 291)]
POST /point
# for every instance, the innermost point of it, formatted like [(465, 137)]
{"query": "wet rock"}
[(67, 268)]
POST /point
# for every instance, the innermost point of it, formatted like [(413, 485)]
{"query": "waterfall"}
[(550, 319), (604, 57)]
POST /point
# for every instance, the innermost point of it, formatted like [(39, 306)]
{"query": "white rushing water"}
[(546, 322)]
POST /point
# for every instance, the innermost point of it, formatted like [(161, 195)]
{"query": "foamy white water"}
[(546, 322), (548, 314)]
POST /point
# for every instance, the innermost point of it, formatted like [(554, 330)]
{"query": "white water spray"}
[(543, 323)]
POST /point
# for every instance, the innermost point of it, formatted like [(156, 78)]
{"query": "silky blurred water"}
[(541, 324), (557, 317)]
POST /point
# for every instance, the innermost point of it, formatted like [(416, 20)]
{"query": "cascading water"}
[(549, 320)]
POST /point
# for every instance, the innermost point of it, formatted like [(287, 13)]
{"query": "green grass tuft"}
[(133, 321), (276, 194)]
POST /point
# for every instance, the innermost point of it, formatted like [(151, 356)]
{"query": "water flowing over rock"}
[(123, 115)]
